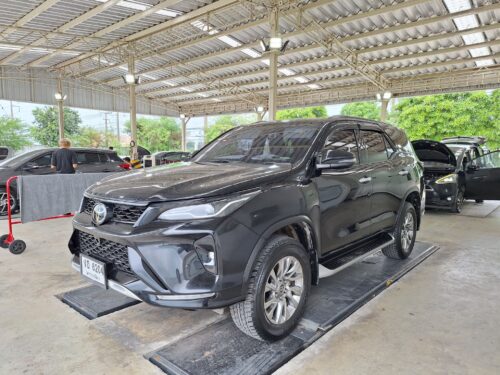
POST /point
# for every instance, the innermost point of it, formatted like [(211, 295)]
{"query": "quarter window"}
[(374, 146), (42, 161), (344, 140)]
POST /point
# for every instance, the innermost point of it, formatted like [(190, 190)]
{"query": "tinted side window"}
[(115, 158), (344, 140), (87, 157), (42, 161), (374, 146), (388, 147)]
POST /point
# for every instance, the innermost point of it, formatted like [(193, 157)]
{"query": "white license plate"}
[(93, 270)]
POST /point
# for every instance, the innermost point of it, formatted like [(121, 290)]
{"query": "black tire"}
[(459, 201), (3, 244), (3, 202), (17, 247), (250, 315), (479, 201), (398, 250)]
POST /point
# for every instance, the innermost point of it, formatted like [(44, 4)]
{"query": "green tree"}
[(298, 113), (438, 116), (89, 137), (223, 124), (13, 133), (46, 128), (368, 110), (157, 134)]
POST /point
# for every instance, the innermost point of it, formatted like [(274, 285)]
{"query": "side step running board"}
[(327, 272)]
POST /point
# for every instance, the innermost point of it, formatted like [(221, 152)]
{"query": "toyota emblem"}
[(99, 214)]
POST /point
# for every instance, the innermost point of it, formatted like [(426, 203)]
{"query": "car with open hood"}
[(253, 219)]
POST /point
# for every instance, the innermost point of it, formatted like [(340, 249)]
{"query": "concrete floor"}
[(443, 317)]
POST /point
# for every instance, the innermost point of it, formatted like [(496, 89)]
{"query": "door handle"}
[(404, 172), (364, 180)]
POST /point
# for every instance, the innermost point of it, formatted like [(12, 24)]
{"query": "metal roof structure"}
[(203, 57)]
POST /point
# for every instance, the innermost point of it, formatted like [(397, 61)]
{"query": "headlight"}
[(448, 179), (209, 210)]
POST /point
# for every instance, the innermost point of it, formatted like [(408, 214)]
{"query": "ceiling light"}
[(287, 72), (131, 79), (260, 109), (466, 22), (229, 40), (275, 42), (182, 115), (483, 63), (266, 62), (169, 83), (387, 95), (169, 12), (473, 38), (457, 5), (478, 52), (59, 96), (314, 86), (133, 5), (301, 79), (251, 52)]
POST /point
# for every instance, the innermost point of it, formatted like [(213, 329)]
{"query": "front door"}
[(344, 195), (39, 165), (482, 178)]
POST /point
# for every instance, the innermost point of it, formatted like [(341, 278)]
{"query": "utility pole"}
[(106, 129)]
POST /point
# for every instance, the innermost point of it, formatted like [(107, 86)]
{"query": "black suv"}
[(38, 162), (254, 219)]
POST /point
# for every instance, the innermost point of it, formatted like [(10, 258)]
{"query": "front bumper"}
[(164, 266), (440, 195)]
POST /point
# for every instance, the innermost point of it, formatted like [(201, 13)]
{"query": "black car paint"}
[(328, 210)]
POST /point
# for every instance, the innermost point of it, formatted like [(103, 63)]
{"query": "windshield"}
[(457, 150), (266, 143), (19, 159)]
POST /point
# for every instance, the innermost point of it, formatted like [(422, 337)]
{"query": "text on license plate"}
[(93, 269)]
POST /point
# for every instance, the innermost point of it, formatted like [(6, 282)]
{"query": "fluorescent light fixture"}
[(204, 27), (203, 95), (483, 63), (260, 109), (457, 5), (169, 12), (41, 50), (473, 38), (275, 42), (9, 48), (229, 40), (387, 95), (287, 72), (171, 84), (314, 86), (266, 62), (182, 115), (59, 96), (131, 79), (378, 96), (251, 52), (187, 89), (301, 79), (133, 5), (478, 52), (466, 22)]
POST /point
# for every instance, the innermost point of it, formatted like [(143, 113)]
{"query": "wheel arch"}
[(412, 196)]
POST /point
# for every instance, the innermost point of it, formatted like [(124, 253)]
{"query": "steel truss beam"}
[(395, 28), (423, 85)]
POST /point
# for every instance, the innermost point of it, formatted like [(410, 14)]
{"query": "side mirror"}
[(337, 159)]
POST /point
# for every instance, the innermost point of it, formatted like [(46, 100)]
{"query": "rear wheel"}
[(277, 292), (404, 234), (479, 201), (3, 203)]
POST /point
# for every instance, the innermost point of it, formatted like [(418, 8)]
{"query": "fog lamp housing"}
[(205, 248)]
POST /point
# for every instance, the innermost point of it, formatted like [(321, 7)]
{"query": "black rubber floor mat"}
[(223, 349), (93, 301)]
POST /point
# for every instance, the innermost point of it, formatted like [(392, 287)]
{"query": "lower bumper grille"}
[(108, 251)]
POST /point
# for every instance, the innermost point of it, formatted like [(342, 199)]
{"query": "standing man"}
[(64, 159)]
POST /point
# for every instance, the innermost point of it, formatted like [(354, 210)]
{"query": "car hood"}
[(185, 181), (434, 154)]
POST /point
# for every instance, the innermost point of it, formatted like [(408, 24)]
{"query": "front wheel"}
[(3, 203), (459, 201), (277, 292), (404, 234)]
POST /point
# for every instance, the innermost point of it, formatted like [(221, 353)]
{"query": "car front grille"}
[(122, 213), (108, 251)]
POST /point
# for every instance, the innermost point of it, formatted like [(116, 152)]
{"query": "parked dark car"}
[(38, 162), (444, 174), (254, 219), (455, 172), (168, 157), (6, 152)]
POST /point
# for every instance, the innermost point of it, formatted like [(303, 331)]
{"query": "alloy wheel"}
[(3, 204), (283, 290), (407, 231)]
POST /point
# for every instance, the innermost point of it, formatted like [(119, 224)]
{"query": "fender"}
[(267, 234), (405, 197)]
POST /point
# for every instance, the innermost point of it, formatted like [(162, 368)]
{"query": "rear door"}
[(482, 177)]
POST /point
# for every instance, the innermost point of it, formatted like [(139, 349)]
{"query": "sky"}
[(96, 119)]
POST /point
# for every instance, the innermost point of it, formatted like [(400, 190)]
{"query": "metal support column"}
[(205, 130), (184, 122), (60, 105), (133, 108), (273, 68), (383, 109)]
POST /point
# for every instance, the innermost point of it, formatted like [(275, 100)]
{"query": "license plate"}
[(93, 270)]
